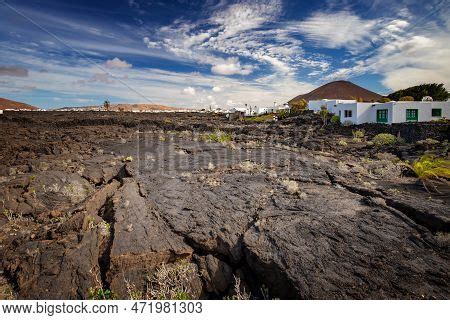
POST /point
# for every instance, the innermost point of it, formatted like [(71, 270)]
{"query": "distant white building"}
[(248, 111), (354, 112), (316, 105), (263, 110)]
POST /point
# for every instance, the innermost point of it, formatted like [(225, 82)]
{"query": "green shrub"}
[(217, 136), (260, 119), (335, 119), (429, 167), (283, 114), (101, 294), (406, 98), (298, 106), (428, 142), (384, 139), (342, 142), (359, 134), (324, 115)]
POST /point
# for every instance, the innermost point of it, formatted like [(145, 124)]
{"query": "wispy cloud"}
[(337, 30), (116, 63), (189, 91), (403, 56), (242, 31), (231, 66)]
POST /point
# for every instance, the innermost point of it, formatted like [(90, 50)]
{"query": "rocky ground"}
[(162, 206)]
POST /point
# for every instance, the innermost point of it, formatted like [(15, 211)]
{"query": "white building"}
[(389, 112), (245, 110), (263, 110), (316, 105)]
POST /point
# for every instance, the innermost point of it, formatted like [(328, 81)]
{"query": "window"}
[(347, 113), (412, 114), (382, 115), (436, 112)]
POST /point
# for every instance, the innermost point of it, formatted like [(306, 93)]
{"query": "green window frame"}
[(436, 112), (382, 116), (412, 114)]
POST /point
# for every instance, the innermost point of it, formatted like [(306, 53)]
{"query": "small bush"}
[(260, 119), (298, 107), (132, 292), (283, 114), (335, 119), (171, 281), (406, 98), (239, 293), (324, 115), (101, 294), (211, 166), (342, 142), (428, 142), (105, 228), (12, 216), (250, 166), (291, 186), (217, 136), (384, 139), (429, 167), (358, 134)]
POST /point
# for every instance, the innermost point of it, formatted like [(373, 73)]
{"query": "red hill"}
[(344, 90), (10, 104)]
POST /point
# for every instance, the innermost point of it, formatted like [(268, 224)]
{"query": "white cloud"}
[(245, 16), (410, 60), (337, 30), (150, 44), (216, 89), (189, 91), (241, 30), (231, 66), (150, 85), (397, 25), (116, 63)]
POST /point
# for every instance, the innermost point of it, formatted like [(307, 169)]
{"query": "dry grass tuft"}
[(239, 291), (171, 282), (250, 166), (291, 186)]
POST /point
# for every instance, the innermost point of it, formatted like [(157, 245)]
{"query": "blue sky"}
[(215, 52)]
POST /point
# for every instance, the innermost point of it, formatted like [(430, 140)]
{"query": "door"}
[(412, 114), (382, 116)]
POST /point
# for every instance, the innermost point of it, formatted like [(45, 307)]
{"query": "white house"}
[(262, 110), (254, 110), (316, 105), (389, 112), (245, 110)]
